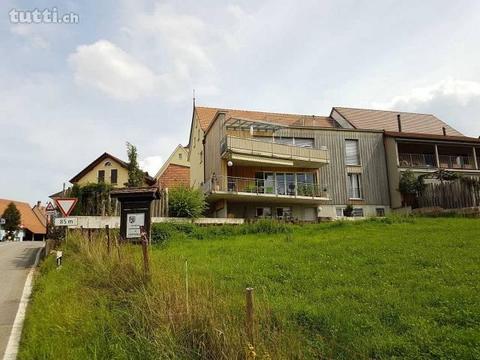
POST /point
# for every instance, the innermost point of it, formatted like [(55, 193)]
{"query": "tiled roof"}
[(387, 120), (29, 220), (206, 115)]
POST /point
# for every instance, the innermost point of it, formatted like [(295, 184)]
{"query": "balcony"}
[(251, 151), (428, 161), (236, 188), (457, 162)]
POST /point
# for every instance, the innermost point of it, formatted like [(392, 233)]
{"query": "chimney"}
[(444, 131), (399, 123), (39, 203)]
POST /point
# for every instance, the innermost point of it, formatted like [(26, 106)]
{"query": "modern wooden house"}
[(256, 164)]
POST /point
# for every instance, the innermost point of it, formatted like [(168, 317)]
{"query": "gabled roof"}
[(387, 120), (29, 219), (170, 158), (206, 115), (148, 179)]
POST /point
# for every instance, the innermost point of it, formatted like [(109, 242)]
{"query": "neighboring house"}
[(107, 169), (257, 164), (32, 222), (421, 143), (176, 170)]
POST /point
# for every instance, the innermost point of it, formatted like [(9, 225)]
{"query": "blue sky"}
[(125, 72)]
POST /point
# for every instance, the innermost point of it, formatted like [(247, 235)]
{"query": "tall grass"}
[(393, 288)]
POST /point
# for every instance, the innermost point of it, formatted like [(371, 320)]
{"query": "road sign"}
[(2, 221), (50, 209), (66, 205), (66, 221)]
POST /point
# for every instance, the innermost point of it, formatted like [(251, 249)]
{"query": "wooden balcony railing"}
[(417, 160)]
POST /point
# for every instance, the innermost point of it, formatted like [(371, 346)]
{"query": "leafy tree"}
[(410, 184), (12, 218), (186, 202), (135, 175)]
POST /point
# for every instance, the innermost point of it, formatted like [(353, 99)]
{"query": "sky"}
[(126, 70)]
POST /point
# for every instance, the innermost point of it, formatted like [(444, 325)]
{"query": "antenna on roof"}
[(193, 98)]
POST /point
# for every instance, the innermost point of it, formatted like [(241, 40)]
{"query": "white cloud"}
[(457, 102), (151, 164), (110, 69)]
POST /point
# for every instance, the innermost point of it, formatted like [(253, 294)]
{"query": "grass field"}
[(397, 288)]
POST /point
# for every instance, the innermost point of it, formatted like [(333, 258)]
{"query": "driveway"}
[(16, 259)]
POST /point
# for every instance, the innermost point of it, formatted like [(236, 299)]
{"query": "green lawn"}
[(391, 289)]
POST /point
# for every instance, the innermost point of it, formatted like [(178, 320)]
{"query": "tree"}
[(186, 202), (12, 218), (135, 175), (410, 184)]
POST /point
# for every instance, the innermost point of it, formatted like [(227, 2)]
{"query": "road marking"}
[(14, 340)]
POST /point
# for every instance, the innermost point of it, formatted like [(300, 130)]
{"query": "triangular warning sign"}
[(50, 207), (66, 205)]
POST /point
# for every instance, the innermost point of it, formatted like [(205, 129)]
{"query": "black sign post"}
[(135, 213)]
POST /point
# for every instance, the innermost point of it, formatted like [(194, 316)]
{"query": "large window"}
[(294, 141), (263, 212), (301, 184), (352, 156), (354, 186)]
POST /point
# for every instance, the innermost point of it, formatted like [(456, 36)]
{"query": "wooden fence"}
[(450, 195)]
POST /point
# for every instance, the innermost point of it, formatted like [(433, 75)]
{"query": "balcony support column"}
[(437, 157), (396, 153), (475, 159)]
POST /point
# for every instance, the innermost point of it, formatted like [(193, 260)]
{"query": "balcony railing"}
[(456, 162), (417, 160), (256, 147), (269, 187), (428, 161)]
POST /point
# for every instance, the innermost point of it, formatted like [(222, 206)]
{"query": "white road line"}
[(16, 334)]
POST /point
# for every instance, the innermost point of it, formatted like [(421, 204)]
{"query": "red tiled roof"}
[(387, 120), (206, 115), (29, 220)]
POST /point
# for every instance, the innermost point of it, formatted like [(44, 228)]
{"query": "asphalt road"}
[(16, 259)]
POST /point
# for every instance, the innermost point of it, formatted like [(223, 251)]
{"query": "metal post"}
[(437, 157), (107, 230), (146, 260)]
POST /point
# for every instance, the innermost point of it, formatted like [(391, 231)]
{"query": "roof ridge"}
[(16, 201), (262, 112), (391, 111)]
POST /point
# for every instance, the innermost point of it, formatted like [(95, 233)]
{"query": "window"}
[(101, 176), (108, 163), (357, 212), (180, 156), (380, 212), (264, 212), (300, 142), (352, 156), (113, 176), (284, 213), (354, 186)]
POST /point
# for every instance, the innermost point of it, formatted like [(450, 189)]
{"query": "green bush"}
[(186, 202)]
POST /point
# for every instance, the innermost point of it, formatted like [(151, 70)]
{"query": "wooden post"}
[(107, 230), (89, 235), (186, 286), (146, 260), (249, 313)]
